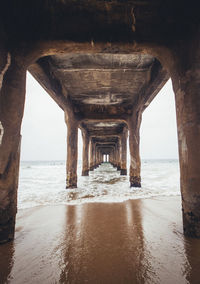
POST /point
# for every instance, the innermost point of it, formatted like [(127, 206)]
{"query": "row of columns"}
[(92, 155)]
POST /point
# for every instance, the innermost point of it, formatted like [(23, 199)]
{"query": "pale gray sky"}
[(44, 130)]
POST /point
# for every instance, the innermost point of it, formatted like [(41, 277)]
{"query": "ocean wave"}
[(44, 184)]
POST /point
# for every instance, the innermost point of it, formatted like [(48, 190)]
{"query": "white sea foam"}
[(43, 183)]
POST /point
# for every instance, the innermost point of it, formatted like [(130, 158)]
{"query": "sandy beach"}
[(137, 241)]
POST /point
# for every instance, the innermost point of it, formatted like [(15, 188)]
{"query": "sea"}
[(43, 183)]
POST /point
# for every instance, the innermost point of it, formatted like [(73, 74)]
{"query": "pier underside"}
[(101, 93), (103, 62)]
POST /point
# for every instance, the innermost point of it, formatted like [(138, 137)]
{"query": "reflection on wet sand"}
[(138, 241), (105, 244)]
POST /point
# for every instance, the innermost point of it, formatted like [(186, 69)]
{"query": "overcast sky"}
[(44, 130)]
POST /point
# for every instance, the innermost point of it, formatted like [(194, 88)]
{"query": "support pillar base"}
[(191, 219), (71, 186), (71, 181), (85, 173), (123, 172), (135, 181), (7, 231)]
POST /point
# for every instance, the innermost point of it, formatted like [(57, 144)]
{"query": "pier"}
[(102, 62)]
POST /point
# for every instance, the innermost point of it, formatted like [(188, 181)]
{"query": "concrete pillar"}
[(92, 153), (99, 157), (124, 152), (96, 157), (185, 73), (119, 155), (110, 157), (85, 154), (115, 156), (134, 140), (72, 151), (12, 97)]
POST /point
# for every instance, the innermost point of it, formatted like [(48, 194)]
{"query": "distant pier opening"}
[(105, 158)]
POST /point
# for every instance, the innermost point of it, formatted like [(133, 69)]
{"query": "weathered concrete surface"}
[(118, 154), (8, 198), (186, 83), (124, 151), (72, 151), (103, 86), (134, 142), (85, 153), (106, 21), (12, 96), (92, 155)]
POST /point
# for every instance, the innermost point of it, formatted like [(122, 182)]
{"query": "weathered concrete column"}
[(115, 156), (124, 152), (185, 73), (119, 155), (85, 154), (72, 150), (92, 153), (12, 97), (96, 157), (134, 140), (101, 158), (111, 157)]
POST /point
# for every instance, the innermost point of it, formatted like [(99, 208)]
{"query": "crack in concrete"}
[(8, 62)]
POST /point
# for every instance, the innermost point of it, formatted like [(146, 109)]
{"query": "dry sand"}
[(137, 241)]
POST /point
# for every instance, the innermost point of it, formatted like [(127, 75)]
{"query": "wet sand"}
[(137, 241)]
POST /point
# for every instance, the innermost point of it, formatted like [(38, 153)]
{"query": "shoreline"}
[(134, 241), (88, 200)]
